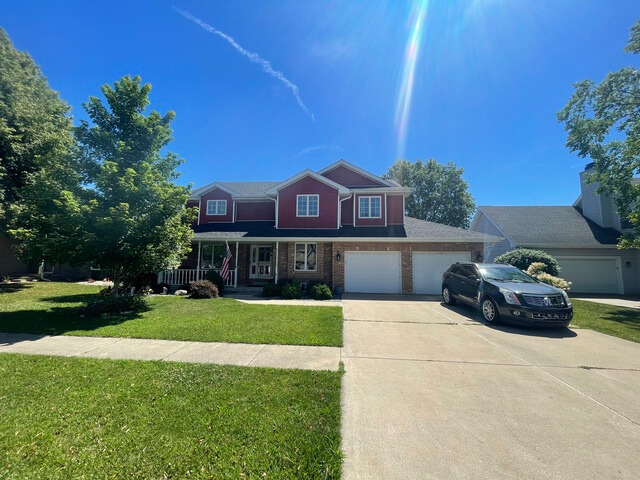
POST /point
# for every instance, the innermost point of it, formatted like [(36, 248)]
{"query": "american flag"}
[(224, 273)]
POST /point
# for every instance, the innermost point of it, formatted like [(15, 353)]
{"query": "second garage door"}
[(372, 272), (591, 274), (428, 268)]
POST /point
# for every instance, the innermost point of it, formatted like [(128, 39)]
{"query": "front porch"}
[(253, 263)]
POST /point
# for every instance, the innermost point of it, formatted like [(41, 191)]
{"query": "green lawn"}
[(120, 419), (617, 321), (51, 308)]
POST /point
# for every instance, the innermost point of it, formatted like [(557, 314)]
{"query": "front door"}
[(260, 262)]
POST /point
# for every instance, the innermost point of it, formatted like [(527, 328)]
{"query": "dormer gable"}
[(342, 190), (351, 176)]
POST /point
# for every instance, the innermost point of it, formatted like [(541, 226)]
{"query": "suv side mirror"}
[(474, 278)]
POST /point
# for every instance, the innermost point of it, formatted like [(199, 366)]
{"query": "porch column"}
[(235, 281), (198, 266), (277, 249)]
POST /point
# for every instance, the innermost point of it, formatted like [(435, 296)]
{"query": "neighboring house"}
[(583, 238), (12, 266), (342, 226)]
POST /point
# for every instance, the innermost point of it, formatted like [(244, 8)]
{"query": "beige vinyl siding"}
[(591, 204), (491, 250), (630, 274)]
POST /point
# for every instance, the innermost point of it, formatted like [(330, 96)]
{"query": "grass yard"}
[(617, 321), (85, 418), (51, 308)]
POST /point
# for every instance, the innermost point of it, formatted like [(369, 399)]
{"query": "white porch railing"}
[(180, 276)]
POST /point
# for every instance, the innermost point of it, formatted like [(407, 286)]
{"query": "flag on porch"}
[(224, 273)]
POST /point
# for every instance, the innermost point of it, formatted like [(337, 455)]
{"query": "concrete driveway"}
[(432, 393)]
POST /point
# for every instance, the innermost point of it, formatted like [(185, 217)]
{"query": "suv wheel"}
[(447, 297), (490, 311)]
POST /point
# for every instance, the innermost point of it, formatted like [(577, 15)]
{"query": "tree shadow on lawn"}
[(76, 298), (13, 287), (57, 321), (625, 316)]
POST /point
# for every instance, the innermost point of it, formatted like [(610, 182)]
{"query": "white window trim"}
[(210, 202), (369, 199), (306, 246), (308, 195)]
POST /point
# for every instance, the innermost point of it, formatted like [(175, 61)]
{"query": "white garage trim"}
[(429, 281), (362, 274), (599, 257)]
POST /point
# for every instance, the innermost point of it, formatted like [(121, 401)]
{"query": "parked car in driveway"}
[(506, 293)]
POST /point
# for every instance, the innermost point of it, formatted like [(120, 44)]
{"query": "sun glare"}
[(412, 49)]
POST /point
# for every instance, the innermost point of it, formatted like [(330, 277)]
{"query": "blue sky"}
[(490, 76)]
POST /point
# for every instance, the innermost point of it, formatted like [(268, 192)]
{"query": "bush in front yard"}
[(203, 289), (291, 291), (215, 278), (321, 291), (522, 258), (536, 270), (108, 305), (271, 290), (162, 285)]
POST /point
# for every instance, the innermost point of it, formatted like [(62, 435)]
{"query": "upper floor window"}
[(216, 207), (369, 207), (307, 205)]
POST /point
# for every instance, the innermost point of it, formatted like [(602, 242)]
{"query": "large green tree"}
[(129, 216), (36, 135), (603, 124), (440, 194)]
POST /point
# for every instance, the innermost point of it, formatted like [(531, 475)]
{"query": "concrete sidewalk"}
[(629, 302), (243, 354)]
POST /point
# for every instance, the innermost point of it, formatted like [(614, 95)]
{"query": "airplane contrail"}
[(254, 57)]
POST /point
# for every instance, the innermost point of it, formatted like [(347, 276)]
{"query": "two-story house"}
[(583, 238), (341, 225)]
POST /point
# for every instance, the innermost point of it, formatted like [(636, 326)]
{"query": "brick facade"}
[(329, 270), (324, 264)]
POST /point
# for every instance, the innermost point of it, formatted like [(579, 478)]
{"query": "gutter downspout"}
[(198, 266), (236, 279), (354, 208), (277, 257)]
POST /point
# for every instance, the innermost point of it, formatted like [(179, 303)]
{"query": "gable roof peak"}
[(307, 173), (355, 168)]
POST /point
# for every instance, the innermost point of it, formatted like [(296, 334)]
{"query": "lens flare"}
[(403, 106)]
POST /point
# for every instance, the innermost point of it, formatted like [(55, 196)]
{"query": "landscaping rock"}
[(181, 293)]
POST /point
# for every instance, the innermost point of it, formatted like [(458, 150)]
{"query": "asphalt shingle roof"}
[(250, 189), (244, 189), (563, 225), (419, 230)]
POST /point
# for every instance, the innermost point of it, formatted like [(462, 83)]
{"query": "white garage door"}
[(428, 268), (591, 275), (372, 272)]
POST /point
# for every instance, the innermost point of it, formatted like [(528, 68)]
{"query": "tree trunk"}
[(116, 283)]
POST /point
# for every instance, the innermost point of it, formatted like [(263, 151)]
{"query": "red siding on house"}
[(256, 210), (395, 214), (347, 212), (349, 178), (370, 221), (216, 194), (327, 205)]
